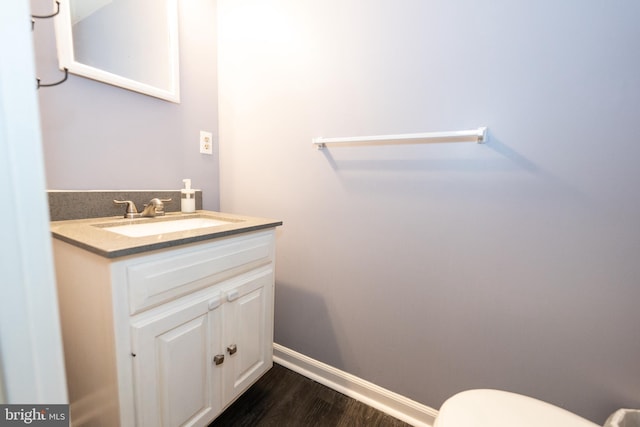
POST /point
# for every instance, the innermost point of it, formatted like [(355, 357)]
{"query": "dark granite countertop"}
[(90, 234)]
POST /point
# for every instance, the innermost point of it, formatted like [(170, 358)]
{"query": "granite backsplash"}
[(79, 204)]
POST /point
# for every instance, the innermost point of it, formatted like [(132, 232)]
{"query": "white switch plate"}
[(206, 142)]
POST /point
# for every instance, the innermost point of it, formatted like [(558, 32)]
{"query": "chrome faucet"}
[(154, 208)]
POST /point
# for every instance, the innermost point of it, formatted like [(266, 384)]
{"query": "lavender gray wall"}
[(430, 269), (97, 136)]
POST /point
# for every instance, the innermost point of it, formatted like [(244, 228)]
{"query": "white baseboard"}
[(391, 403)]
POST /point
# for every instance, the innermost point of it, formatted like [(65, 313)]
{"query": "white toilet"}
[(495, 408)]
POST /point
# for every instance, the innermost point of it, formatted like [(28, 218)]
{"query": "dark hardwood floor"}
[(285, 398)]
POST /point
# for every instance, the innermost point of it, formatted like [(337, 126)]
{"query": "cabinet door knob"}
[(233, 295), (218, 359), (214, 302), (232, 349)]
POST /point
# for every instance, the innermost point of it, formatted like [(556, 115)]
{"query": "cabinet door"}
[(175, 383), (248, 332)]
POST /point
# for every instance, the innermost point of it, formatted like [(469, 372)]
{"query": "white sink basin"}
[(161, 227)]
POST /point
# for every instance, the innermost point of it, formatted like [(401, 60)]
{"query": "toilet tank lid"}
[(497, 408)]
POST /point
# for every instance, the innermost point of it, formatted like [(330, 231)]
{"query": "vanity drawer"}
[(156, 279)]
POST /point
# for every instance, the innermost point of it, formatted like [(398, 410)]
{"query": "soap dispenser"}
[(188, 200)]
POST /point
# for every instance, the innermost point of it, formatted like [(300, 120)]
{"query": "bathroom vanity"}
[(165, 327)]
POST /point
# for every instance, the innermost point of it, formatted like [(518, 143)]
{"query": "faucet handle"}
[(156, 206), (131, 211), (158, 202)]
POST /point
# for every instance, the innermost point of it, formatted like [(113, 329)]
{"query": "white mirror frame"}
[(66, 56)]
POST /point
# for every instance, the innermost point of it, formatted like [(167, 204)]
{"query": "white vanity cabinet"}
[(165, 338)]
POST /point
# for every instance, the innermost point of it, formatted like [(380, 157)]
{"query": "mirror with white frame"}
[(132, 44)]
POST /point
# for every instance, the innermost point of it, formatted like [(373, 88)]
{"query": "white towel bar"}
[(474, 135)]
